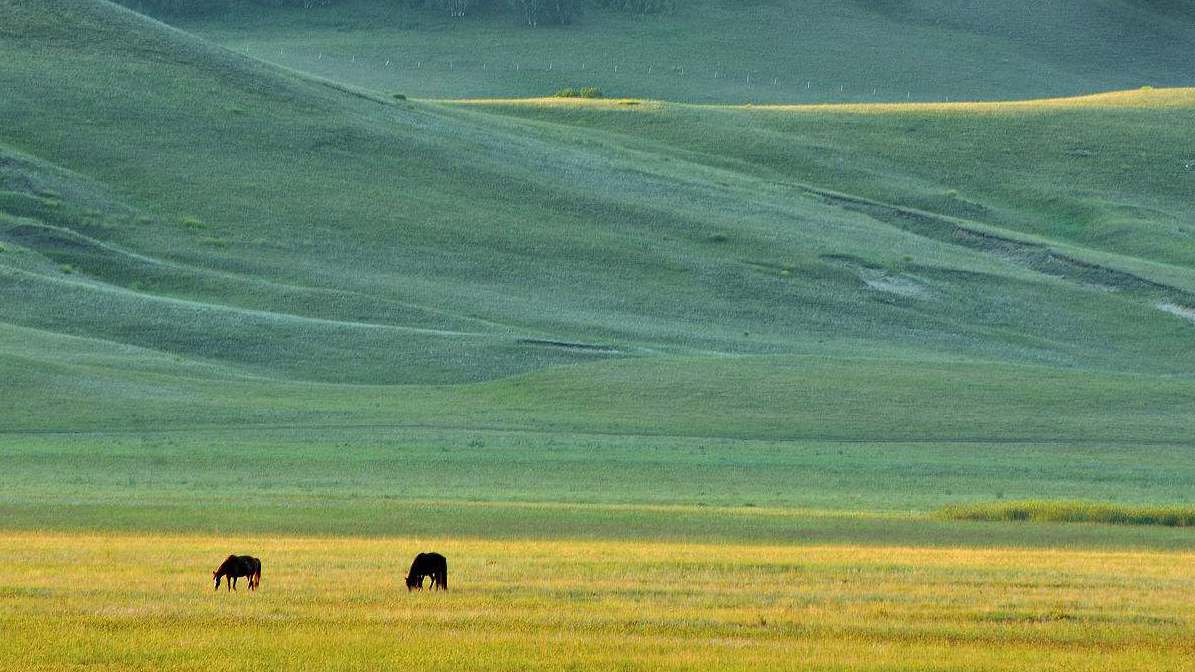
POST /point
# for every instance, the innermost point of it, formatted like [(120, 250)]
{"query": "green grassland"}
[(197, 241), (387, 242), (715, 369), (1110, 172), (731, 51)]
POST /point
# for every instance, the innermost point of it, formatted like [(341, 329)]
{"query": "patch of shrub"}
[(192, 223), (583, 92), (1041, 511), (398, 96)]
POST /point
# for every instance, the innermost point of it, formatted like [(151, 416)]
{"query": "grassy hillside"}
[(194, 240), (233, 214), (1111, 172), (730, 51)]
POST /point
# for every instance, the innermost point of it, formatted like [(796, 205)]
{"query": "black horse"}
[(428, 564), (236, 566)]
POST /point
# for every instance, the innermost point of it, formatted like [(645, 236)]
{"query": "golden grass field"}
[(1144, 98), (110, 602)]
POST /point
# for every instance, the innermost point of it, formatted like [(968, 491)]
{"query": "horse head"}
[(216, 577), (414, 582)]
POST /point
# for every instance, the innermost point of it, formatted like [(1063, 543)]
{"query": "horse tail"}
[(444, 578), (257, 574)]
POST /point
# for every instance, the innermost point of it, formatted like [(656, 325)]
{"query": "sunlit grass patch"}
[(339, 603), (557, 100), (1072, 512), (1146, 98), (1143, 98)]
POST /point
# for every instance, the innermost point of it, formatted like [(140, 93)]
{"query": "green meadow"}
[(818, 372), (728, 51)]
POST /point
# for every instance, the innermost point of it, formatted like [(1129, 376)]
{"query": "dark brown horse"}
[(236, 566), (428, 564)]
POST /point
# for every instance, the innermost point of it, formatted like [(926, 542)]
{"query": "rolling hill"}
[(734, 51), (196, 239)]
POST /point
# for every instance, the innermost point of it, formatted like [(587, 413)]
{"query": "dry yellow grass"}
[(1145, 98), (145, 603), (554, 101)]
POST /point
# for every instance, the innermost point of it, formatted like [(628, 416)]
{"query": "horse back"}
[(240, 565), (435, 562), (428, 563)]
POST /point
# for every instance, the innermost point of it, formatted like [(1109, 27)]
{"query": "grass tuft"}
[(1039, 511)]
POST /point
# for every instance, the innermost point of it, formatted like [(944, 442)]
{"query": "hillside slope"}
[(1112, 172), (189, 210), (729, 51)]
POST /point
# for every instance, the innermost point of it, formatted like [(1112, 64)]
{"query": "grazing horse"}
[(428, 564), (236, 566)]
